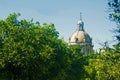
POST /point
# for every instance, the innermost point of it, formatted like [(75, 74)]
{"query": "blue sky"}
[(65, 14)]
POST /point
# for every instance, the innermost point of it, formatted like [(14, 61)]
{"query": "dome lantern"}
[(80, 23)]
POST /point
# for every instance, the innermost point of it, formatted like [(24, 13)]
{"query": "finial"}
[(80, 16)]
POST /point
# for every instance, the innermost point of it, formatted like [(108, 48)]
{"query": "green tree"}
[(114, 15), (114, 9), (29, 51), (76, 62), (104, 67)]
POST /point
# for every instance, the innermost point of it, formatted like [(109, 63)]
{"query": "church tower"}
[(81, 38)]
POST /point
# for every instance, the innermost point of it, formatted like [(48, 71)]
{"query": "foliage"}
[(76, 62), (114, 15), (104, 67), (29, 51), (114, 8)]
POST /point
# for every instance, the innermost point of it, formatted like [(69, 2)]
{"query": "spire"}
[(80, 23), (80, 16)]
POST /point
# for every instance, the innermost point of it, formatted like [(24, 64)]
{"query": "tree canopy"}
[(30, 51), (114, 15)]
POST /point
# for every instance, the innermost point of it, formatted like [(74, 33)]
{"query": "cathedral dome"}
[(80, 37)]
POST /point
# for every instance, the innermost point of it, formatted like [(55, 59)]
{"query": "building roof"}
[(80, 36)]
